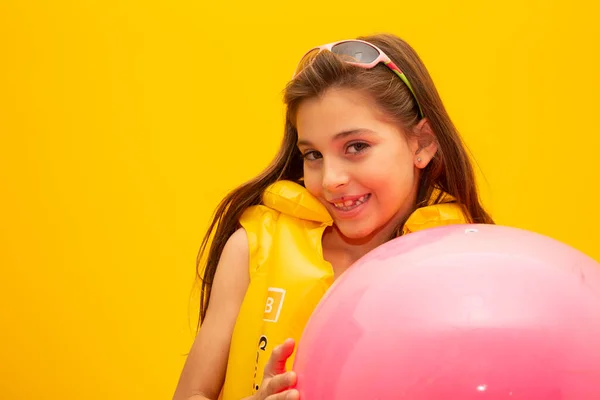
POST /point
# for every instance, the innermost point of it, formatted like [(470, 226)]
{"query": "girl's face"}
[(364, 169)]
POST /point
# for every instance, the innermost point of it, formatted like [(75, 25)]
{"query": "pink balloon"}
[(461, 312)]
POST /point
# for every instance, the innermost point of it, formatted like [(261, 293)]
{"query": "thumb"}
[(279, 356)]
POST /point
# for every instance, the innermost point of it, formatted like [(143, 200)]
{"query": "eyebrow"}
[(341, 135)]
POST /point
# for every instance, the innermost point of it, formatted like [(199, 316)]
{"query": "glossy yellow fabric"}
[(288, 276)]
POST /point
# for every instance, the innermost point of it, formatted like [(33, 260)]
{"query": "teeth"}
[(349, 204)]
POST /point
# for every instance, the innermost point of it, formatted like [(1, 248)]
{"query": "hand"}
[(277, 384)]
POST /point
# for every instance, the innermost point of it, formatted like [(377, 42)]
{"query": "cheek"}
[(393, 169), (312, 181)]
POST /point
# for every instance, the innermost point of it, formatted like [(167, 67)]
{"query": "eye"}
[(357, 147), (312, 155)]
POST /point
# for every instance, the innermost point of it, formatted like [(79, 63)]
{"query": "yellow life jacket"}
[(289, 276)]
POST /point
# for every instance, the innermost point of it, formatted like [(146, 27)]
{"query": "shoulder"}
[(232, 268), (231, 277), (237, 245)]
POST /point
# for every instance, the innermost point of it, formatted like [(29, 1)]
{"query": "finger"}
[(287, 395), (281, 382), (279, 356)]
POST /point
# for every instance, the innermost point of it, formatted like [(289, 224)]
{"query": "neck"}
[(352, 249)]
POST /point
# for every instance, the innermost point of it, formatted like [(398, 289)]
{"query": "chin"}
[(355, 233)]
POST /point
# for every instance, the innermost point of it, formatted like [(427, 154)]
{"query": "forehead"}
[(337, 110)]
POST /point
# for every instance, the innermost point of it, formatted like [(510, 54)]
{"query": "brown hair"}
[(450, 170)]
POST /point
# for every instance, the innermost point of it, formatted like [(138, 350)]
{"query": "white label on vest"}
[(274, 304)]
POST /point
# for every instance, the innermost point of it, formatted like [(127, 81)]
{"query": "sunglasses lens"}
[(357, 51)]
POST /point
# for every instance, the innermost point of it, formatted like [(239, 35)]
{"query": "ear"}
[(425, 144)]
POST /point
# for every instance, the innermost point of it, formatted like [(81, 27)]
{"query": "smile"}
[(349, 205)]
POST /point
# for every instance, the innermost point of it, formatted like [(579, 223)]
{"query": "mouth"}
[(349, 205)]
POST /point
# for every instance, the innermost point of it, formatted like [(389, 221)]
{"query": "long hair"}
[(450, 171)]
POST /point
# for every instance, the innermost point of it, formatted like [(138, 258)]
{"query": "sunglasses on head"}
[(361, 54)]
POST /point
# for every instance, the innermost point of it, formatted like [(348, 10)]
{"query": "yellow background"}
[(122, 124)]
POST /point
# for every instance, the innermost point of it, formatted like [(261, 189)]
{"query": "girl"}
[(369, 153)]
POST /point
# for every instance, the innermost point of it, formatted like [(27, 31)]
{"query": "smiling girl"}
[(369, 154)]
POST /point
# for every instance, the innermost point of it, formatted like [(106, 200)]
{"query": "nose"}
[(334, 176)]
